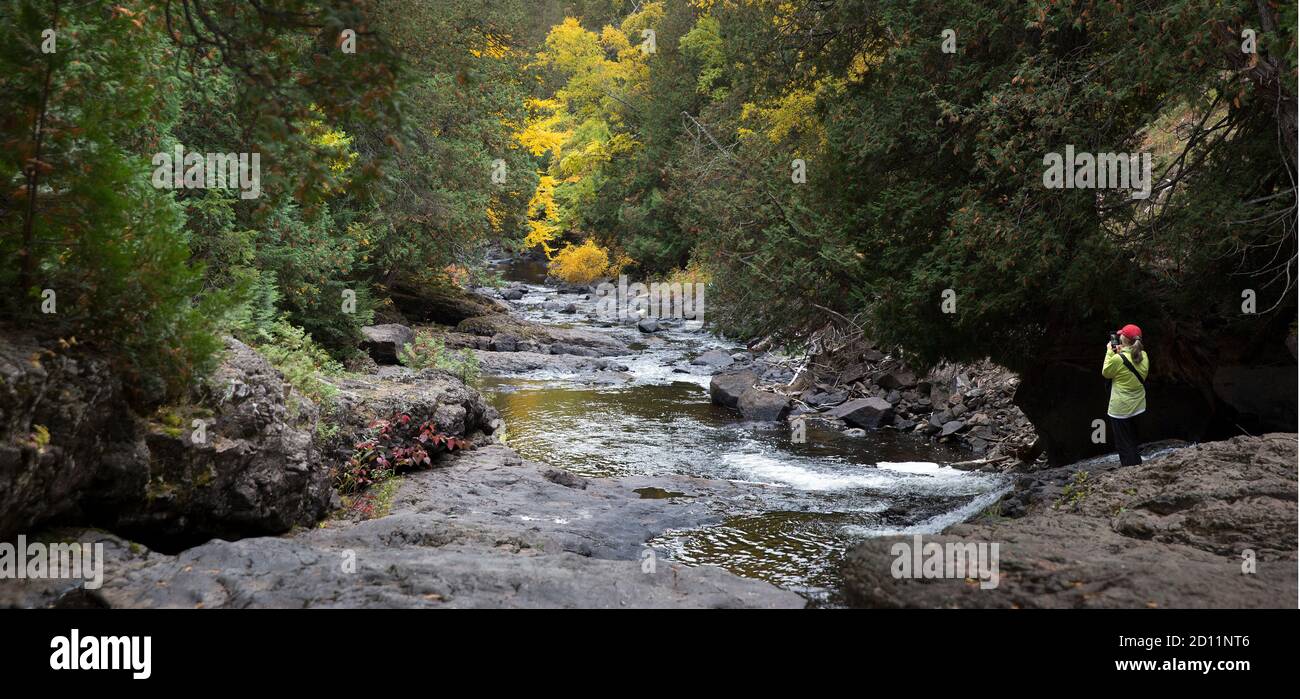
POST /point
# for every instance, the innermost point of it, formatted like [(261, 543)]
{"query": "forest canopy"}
[(818, 161)]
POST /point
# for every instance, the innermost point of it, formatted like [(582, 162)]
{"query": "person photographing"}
[(1127, 366)]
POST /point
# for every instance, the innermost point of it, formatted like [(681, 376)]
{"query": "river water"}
[(816, 497)]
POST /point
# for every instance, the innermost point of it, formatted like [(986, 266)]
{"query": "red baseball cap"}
[(1131, 331)]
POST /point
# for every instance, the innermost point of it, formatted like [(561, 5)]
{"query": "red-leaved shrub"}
[(395, 445)]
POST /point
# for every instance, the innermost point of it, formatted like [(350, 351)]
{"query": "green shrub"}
[(303, 362), (428, 352)]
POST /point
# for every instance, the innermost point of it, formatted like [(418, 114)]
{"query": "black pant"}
[(1126, 440)]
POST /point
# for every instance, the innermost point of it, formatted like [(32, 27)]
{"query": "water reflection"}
[(822, 493)]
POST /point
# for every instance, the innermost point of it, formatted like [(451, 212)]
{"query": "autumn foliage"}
[(582, 264), (396, 445)]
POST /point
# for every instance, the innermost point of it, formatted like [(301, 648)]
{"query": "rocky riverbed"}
[(616, 463), (485, 529), (482, 528)]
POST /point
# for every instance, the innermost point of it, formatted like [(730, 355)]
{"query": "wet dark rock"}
[(714, 358), (384, 342), (823, 399), (755, 404), (726, 388), (566, 348), (897, 379), (65, 422), (512, 294), (505, 342), (647, 325), (869, 413), (556, 306), (951, 427), (566, 479)]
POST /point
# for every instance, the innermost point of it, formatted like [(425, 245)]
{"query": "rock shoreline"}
[(965, 406), (1179, 530), (483, 530)]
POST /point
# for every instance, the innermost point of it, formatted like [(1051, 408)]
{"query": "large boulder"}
[(438, 303), (243, 457), (384, 342), (725, 389), (430, 394), (239, 462), (868, 413), (63, 417), (763, 406)]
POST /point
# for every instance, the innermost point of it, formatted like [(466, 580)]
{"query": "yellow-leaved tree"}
[(574, 131), (584, 264)]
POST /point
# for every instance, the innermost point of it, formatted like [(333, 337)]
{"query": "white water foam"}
[(778, 472), (651, 370), (934, 524), (926, 468), (921, 477)]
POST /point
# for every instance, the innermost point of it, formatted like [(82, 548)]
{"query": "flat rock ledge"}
[(486, 530), (1174, 531)]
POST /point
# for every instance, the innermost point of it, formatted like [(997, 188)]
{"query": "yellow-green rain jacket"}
[(1127, 396)]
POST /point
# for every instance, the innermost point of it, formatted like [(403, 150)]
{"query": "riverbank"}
[(1204, 526), (484, 529), (625, 483)]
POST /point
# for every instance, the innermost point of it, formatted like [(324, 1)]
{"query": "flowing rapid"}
[(787, 510)]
